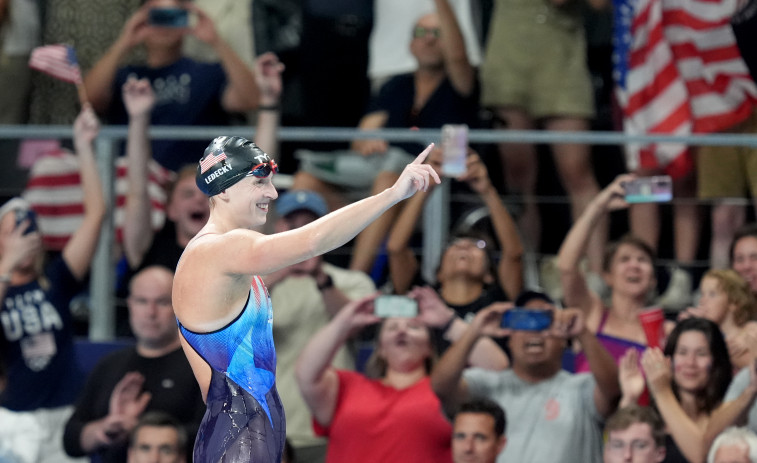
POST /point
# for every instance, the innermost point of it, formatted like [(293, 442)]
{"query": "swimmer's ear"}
[(223, 196)]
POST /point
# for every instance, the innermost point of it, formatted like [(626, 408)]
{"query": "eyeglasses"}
[(420, 32), (264, 169)]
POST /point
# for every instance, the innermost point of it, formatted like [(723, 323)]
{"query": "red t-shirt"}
[(377, 423)]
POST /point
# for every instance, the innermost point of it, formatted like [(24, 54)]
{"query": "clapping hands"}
[(127, 402)]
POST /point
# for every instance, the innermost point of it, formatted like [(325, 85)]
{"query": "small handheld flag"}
[(59, 61)]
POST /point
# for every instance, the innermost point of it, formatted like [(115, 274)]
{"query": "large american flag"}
[(678, 71), (55, 194), (58, 61)]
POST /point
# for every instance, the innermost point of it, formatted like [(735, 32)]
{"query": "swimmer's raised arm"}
[(241, 251)]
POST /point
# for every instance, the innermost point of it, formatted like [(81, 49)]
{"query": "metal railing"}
[(102, 318)]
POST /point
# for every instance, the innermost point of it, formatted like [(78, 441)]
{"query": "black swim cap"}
[(228, 160)]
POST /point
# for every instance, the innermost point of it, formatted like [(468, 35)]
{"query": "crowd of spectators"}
[(449, 382)]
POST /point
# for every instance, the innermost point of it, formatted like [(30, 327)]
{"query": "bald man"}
[(152, 375)]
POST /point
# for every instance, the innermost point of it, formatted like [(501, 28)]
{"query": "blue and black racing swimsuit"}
[(244, 421)]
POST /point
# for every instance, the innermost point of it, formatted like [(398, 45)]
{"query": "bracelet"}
[(329, 283), (269, 107), (449, 323)]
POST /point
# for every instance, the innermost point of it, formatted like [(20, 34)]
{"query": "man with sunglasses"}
[(223, 307), (442, 90)]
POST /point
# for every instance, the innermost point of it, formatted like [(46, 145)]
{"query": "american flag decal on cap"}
[(210, 160)]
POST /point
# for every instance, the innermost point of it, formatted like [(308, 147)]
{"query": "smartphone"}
[(168, 17), (454, 149), (395, 306), (656, 189), (26, 214), (527, 319)]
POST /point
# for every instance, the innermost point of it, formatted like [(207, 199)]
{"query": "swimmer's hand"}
[(416, 176)]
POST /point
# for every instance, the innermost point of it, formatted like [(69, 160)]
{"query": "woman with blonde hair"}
[(727, 300)]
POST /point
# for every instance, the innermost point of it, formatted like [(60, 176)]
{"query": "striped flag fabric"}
[(678, 71), (59, 61), (55, 194)]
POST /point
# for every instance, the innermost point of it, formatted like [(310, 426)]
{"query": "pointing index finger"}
[(424, 154)]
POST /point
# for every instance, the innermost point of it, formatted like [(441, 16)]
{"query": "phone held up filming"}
[(454, 149), (657, 189), (168, 17), (23, 215), (523, 319), (389, 306)]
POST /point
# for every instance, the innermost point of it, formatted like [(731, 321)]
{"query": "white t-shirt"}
[(22, 31), (553, 420), (393, 21), (738, 384)]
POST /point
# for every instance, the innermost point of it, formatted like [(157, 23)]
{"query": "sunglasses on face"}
[(420, 32), (264, 169)]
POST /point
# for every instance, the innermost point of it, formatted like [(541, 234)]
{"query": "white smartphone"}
[(395, 306), (657, 189), (454, 149)]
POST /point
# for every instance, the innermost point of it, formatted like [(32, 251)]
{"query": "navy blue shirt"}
[(36, 342), (444, 106), (187, 92)]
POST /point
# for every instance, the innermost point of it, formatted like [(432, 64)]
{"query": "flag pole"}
[(83, 100)]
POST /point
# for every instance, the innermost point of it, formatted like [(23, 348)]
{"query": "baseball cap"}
[(227, 160), (301, 200)]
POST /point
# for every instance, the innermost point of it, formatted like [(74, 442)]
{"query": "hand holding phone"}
[(523, 319), (388, 306), (655, 189), (23, 215)]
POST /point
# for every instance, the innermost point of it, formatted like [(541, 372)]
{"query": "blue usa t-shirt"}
[(36, 342)]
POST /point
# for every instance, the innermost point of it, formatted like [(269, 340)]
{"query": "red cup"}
[(652, 321)]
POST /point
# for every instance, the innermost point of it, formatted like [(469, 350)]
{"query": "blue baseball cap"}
[(301, 200)]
